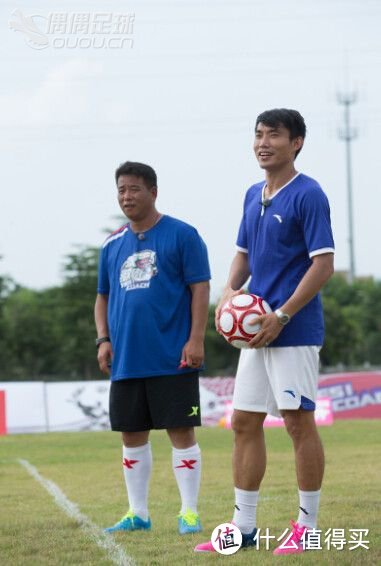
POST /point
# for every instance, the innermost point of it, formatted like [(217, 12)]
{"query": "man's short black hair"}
[(292, 120), (139, 170)]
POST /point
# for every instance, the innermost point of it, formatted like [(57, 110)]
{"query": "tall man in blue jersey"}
[(285, 246), (150, 313)]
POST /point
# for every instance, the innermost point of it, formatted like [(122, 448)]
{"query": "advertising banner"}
[(83, 405), (354, 395)]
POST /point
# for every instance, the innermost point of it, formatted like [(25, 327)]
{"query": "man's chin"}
[(130, 214)]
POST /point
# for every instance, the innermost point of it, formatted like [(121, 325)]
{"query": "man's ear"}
[(298, 143)]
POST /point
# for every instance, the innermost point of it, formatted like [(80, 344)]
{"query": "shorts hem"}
[(120, 428), (299, 408), (249, 408)]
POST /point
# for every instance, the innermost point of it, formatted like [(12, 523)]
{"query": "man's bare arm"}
[(193, 351), (100, 316)]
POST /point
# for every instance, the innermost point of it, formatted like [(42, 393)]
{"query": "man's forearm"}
[(199, 309), (314, 279), (100, 315), (239, 272)]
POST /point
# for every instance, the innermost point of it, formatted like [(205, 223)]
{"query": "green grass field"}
[(87, 468)]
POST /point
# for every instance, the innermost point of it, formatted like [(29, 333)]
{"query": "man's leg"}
[(186, 463), (137, 466), (252, 399), (309, 461), (249, 465)]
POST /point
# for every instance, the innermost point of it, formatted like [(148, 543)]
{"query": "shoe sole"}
[(121, 530)]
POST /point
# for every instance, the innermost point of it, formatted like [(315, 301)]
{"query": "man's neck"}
[(147, 223), (277, 179)]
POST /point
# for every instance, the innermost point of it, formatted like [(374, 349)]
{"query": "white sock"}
[(308, 508), (137, 465), (186, 465), (245, 510)]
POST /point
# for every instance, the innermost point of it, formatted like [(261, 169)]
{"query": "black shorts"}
[(166, 401)]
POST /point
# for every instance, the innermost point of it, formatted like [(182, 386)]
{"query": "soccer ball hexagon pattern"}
[(236, 316)]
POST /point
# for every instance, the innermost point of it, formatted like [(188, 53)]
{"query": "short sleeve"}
[(103, 277), (316, 222), (194, 258), (241, 242)]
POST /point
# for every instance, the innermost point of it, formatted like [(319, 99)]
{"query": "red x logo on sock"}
[(187, 464), (129, 463)]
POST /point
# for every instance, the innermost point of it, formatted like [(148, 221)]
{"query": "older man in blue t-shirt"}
[(151, 312)]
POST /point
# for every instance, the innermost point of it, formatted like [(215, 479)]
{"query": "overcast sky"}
[(180, 91)]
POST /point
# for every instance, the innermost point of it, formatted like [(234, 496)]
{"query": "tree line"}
[(49, 334)]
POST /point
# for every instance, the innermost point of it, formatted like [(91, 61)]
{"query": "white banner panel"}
[(78, 405), (25, 408)]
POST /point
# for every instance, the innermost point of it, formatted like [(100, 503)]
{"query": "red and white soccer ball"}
[(236, 315)]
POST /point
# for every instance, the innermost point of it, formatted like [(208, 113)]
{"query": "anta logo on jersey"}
[(138, 270)]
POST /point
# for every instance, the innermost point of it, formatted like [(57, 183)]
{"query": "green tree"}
[(77, 320), (353, 322), (368, 297), (7, 285), (31, 340), (50, 334)]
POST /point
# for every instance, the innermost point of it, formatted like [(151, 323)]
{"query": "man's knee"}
[(244, 422), (182, 437), (135, 439), (299, 424)]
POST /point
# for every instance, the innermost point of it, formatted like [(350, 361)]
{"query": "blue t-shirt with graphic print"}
[(280, 240), (149, 299)]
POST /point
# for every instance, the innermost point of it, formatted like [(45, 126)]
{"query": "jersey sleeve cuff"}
[(243, 250), (201, 279), (321, 251), (102, 291)]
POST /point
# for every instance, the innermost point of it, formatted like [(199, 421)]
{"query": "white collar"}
[(276, 192)]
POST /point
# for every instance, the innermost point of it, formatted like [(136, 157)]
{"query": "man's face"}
[(135, 199), (273, 147)]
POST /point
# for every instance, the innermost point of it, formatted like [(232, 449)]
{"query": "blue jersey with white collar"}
[(280, 240), (149, 300)]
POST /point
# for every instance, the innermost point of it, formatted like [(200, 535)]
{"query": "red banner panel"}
[(3, 423), (354, 395)]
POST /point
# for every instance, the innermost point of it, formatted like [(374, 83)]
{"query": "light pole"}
[(348, 134)]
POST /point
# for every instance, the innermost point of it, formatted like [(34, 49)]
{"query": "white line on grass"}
[(116, 553)]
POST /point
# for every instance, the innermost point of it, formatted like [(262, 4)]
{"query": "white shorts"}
[(270, 380)]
